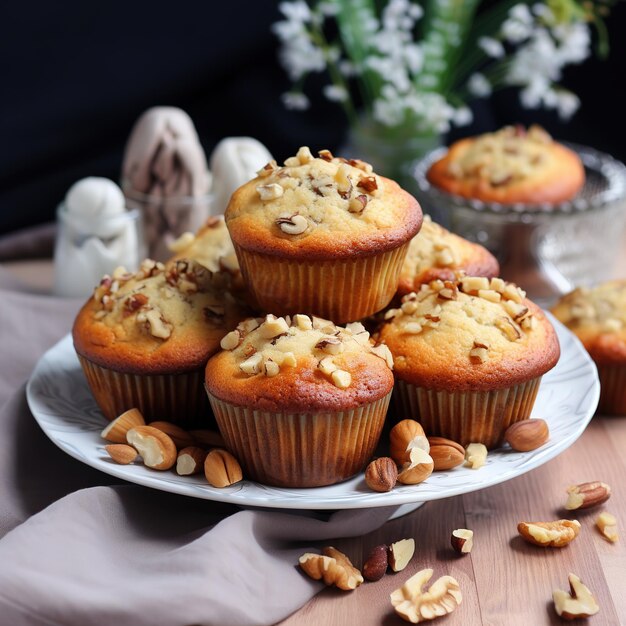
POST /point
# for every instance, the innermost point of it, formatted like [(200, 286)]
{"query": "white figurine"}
[(95, 235), (234, 162)]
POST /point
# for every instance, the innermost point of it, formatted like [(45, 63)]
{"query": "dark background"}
[(76, 75)]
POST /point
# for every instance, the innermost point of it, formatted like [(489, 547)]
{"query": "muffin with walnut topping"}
[(437, 253), (323, 236), (510, 166), (597, 316), (469, 355), (143, 339), (300, 401)]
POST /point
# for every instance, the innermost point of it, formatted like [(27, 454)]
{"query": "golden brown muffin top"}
[(299, 363), (510, 165), (471, 334), (437, 253), (321, 208), (598, 318), (211, 246), (162, 319)]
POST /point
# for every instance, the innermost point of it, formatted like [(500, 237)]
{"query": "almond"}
[(121, 453), (179, 436), (222, 469), (400, 553), (115, 431), (527, 435), (404, 436), (157, 449), (190, 461), (445, 453)]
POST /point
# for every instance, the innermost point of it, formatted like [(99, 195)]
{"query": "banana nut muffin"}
[(437, 253), (143, 339), (324, 236), (510, 166), (597, 316), (469, 355), (300, 401)]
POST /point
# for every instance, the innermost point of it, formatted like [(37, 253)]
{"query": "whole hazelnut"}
[(381, 474)]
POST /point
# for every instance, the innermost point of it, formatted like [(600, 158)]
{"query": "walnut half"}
[(333, 567), (415, 605)]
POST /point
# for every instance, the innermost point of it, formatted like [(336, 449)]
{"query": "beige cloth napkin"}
[(78, 549)]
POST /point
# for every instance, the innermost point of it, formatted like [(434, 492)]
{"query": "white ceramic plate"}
[(62, 404)]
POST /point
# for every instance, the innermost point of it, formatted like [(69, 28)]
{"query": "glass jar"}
[(546, 249), (165, 218), (87, 248)]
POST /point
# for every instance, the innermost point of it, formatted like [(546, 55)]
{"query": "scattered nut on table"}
[(415, 605), (587, 495), (607, 525), (381, 474), (333, 567), (462, 540), (550, 534), (475, 455), (578, 603), (376, 563), (400, 553), (527, 435)]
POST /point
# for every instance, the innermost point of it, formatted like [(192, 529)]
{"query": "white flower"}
[(414, 57), (328, 9), (519, 24), (347, 68), (574, 42), (492, 47), (295, 101), (478, 85), (335, 93), (567, 103), (462, 116), (297, 11)]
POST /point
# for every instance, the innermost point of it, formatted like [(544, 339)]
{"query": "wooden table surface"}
[(504, 581)]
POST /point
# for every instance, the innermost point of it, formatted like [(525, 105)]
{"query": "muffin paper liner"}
[(301, 449), (612, 389), (340, 290), (468, 416), (177, 398)]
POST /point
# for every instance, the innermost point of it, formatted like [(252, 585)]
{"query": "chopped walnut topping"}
[(479, 353), (332, 345), (341, 378), (252, 365), (292, 224), (327, 155), (357, 204), (303, 322), (473, 284), (271, 191), (344, 182), (135, 301), (489, 294), (270, 368), (231, 340), (369, 184), (444, 257), (509, 328), (327, 366), (267, 169), (273, 326), (304, 155), (157, 326)]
